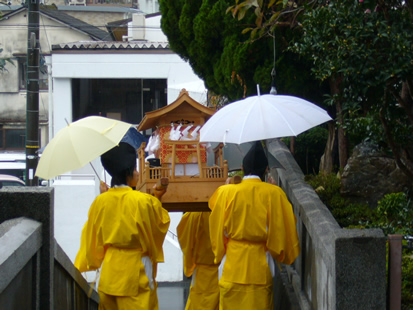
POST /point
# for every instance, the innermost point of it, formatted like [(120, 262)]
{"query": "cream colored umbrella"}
[(79, 143)]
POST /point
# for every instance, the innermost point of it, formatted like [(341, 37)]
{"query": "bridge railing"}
[(337, 268), (35, 273)]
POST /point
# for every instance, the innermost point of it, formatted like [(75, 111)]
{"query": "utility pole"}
[(32, 105)]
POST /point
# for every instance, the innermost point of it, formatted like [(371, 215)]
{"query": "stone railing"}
[(35, 273), (337, 268)]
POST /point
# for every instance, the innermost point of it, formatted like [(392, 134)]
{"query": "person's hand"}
[(158, 192), (236, 179), (159, 189), (103, 187), (271, 180)]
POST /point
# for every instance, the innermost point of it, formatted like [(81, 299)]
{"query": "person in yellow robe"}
[(251, 223), (193, 236), (123, 236)]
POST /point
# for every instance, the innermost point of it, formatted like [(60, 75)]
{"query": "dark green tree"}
[(214, 44), (363, 49)]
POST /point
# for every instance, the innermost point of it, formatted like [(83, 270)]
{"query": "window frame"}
[(3, 139), (43, 75)]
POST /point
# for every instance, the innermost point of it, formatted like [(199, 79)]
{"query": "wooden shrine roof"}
[(184, 108)]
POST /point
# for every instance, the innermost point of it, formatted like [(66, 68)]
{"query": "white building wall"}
[(153, 31), (62, 104), (172, 269), (74, 198), (149, 6)]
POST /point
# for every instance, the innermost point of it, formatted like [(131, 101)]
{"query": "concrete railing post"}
[(35, 203), (395, 271)]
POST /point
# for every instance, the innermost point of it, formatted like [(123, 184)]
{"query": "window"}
[(124, 99), (12, 138), (43, 77)]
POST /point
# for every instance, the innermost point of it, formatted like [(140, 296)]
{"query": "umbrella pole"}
[(94, 170)]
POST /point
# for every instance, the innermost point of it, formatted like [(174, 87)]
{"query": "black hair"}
[(119, 162), (256, 171), (122, 177)]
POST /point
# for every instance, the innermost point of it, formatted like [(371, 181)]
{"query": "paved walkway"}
[(173, 296)]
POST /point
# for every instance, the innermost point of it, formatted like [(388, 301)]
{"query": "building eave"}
[(111, 45)]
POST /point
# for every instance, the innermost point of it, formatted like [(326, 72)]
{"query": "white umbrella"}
[(262, 117)]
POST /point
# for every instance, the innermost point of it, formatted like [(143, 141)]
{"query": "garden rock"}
[(370, 174)]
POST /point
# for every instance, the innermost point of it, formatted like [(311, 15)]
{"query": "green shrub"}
[(395, 214), (328, 189), (326, 186), (407, 281)]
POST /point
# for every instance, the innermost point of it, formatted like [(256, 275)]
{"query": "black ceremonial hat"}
[(255, 160), (119, 159)]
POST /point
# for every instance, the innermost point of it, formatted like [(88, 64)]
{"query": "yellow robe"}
[(125, 229), (193, 236), (247, 220)]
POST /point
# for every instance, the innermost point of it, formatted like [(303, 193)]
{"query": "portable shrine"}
[(174, 151)]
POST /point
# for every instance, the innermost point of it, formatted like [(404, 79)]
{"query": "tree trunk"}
[(342, 138), (403, 153), (292, 145), (335, 87), (409, 4), (327, 162)]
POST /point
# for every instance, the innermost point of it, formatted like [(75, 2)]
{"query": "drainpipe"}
[(395, 271)]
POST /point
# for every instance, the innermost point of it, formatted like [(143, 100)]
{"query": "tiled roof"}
[(94, 32), (107, 45)]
